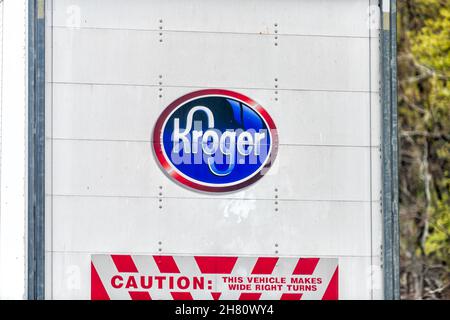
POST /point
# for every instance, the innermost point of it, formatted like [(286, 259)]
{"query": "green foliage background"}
[(424, 104)]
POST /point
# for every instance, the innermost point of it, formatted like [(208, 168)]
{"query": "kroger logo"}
[(215, 140)]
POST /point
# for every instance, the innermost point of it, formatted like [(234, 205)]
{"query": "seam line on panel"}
[(208, 198), (205, 87), (215, 32), (204, 253), (151, 141)]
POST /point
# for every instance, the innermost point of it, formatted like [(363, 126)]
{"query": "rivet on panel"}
[(160, 91), (159, 197), (160, 28), (276, 87), (276, 197)]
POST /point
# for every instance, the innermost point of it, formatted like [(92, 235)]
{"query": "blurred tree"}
[(424, 104)]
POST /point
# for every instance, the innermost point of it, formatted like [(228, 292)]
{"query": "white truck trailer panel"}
[(13, 149), (113, 66)]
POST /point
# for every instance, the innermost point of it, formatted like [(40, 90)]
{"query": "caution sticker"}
[(163, 277)]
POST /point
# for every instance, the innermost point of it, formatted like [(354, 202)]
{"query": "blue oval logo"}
[(215, 140)]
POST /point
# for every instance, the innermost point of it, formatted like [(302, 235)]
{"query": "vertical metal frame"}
[(391, 240), (36, 149)]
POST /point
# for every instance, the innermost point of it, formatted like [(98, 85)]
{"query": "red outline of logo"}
[(168, 167)]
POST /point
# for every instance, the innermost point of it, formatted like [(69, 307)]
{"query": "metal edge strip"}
[(36, 149), (390, 151)]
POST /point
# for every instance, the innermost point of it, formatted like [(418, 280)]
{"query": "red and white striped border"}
[(209, 265)]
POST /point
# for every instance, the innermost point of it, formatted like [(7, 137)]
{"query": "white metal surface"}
[(244, 221), (246, 56), (117, 168), (13, 153), (306, 17), (105, 113), (109, 77)]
